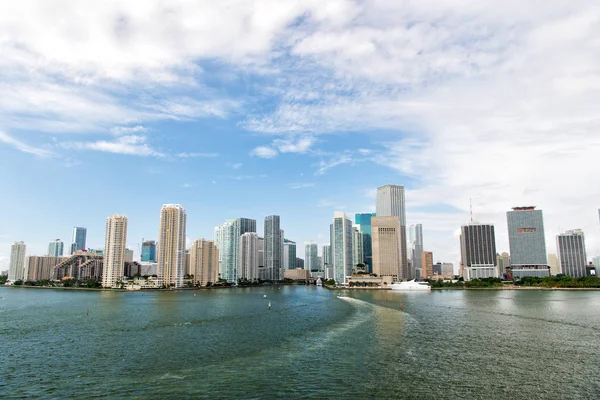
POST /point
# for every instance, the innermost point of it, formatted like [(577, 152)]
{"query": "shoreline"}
[(144, 290), (472, 288)]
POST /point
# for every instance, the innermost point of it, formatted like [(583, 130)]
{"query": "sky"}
[(297, 108)]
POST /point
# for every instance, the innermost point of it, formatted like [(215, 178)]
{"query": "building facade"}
[(427, 265), (387, 248), (311, 256), (326, 254), (55, 248), (204, 262), (149, 251), (526, 237), (364, 222), (171, 249), (40, 268), (289, 254), (554, 264), (114, 250), (571, 253), (273, 247), (341, 247), (416, 250), (16, 269), (248, 256), (78, 239), (358, 256), (478, 251), (391, 203)]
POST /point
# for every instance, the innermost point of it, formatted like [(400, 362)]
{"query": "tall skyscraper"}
[(114, 250), (204, 262), (427, 264), (248, 256), (416, 250), (571, 253), (273, 247), (554, 264), (503, 261), (311, 256), (289, 254), (358, 256), (261, 252), (55, 248), (391, 203), (526, 237), (387, 247), (149, 251), (364, 221), (326, 254), (227, 239), (341, 247), (171, 249), (478, 251), (16, 269), (78, 241)]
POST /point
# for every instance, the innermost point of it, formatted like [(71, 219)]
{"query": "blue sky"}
[(297, 108)]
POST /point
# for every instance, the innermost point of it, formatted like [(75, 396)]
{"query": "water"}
[(227, 344)]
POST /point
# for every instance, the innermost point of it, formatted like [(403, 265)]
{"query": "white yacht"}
[(411, 286)]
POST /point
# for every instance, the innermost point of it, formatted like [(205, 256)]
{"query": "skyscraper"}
[(171, 249), (358, 256), (416, 250), (326, 255), (527, 242), (248, 256), (341, 247), (364, 221), (114, 250), (227, 239), (204, 262), (289, 254), (427, 265), (554, 264), (478, 251), (78, 241), (55, 248), (571, 253), (387, 247), (149, 251), (311, 256), (16, 269), (273, 247), (391, 203), (503, 261)]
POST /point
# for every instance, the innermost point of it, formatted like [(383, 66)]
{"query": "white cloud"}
[(194, 155), (235, 165), (122, 130), (25, 148), (264, 152), (300, 185), (130, 145), (187, 185)]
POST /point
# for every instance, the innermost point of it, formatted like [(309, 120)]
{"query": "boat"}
[(411, 286), (319, 282)]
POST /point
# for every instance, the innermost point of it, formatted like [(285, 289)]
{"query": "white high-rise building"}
[(16, 269), (114, 250), (571, 253), (55, 248), (171, 248), (391, 203), (273, 248), (311, 256), (416, 250), (227, 239), (326, 254), (289, 254), (357, 246), (554, 264), (248, 256), (341, 247)]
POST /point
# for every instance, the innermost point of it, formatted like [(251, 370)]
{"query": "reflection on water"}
[(310, 344)]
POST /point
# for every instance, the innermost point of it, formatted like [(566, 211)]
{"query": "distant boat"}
[(265, 296), (411, 286), (319, 282), (269, 305)]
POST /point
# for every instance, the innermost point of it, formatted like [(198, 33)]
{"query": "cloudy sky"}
[(298, 108)]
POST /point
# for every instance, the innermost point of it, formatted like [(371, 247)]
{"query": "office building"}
[(391, 203), (299, 263), (416, 250), (448, 269), (204, 262), (427, 264), (478, 251), (227, 239), (261, 252), (40, 268), (82, 265), (554, 264), (571, 253), (55, 248), (78, 240), (503, 261), (357, 247), (387, 247), (149, 251), (114, 250), (273, 247), (341, 247), (248, 256), (16, 269), (364, 222), (289, 254), (128, 255), (326, 254), (311, 256), (527, 243), (171, 249)]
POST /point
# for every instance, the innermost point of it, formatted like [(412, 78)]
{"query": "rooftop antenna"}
[(471, 208)]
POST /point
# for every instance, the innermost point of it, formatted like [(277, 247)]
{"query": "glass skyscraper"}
[(78, 241), (149, 251), (55, 248), (364, 220), (391, 203), (273, 248), (341, 247), (526, 237)]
